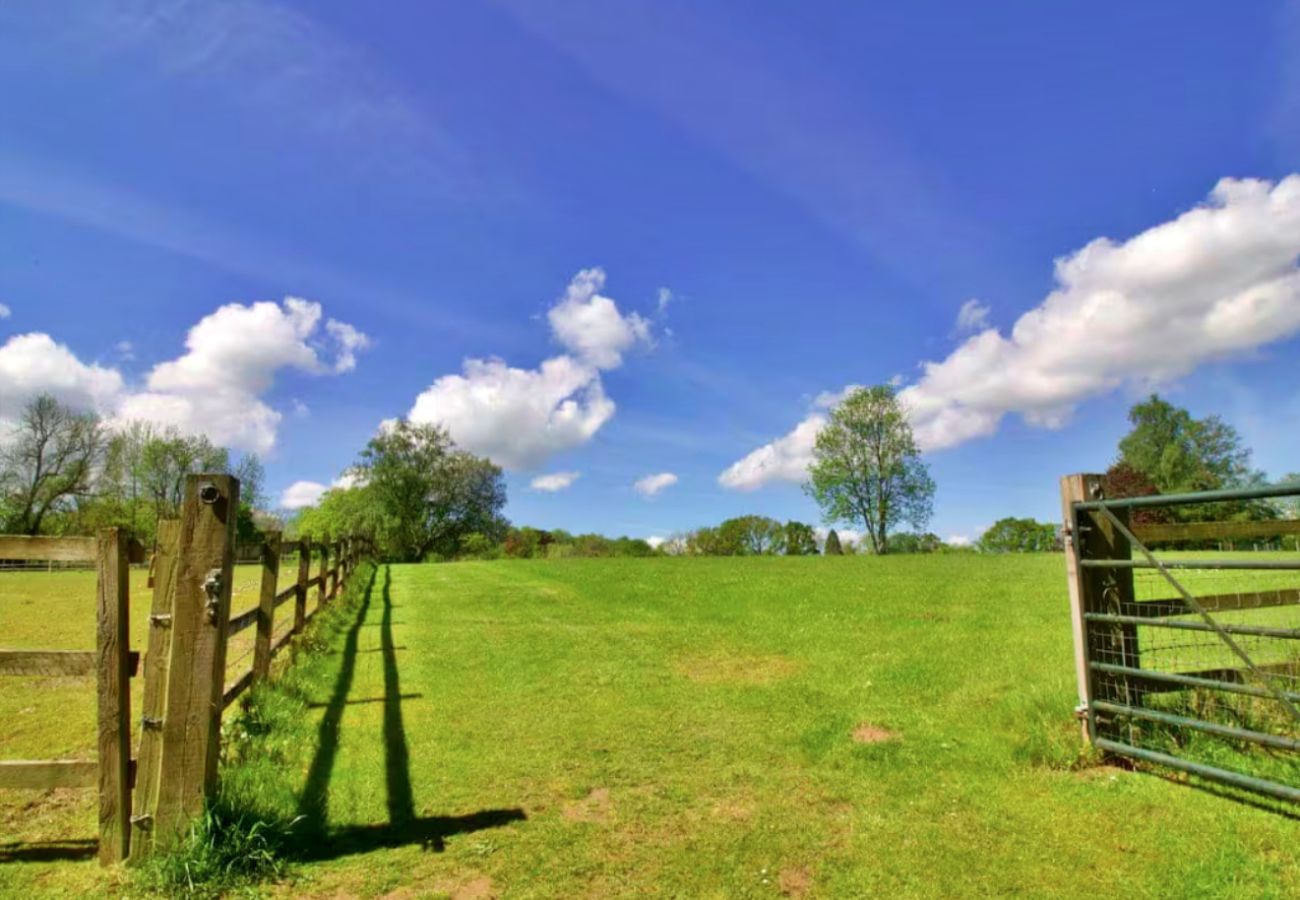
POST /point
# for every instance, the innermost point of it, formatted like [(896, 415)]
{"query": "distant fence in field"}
[(146, 800), (1188, 663)]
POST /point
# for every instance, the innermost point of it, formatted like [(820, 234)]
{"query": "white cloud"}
[(215, 388), (1217, 281), (5, 312), (32, 364), (655, 541), (302, 494), (349, 341), (653, 484), (664, 297), (554, 481), (959, 540), (973, 316), (519, 418), (232, 357), (591, 327), (785, 459)]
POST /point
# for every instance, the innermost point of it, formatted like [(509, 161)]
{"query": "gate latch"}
[(212, 587)]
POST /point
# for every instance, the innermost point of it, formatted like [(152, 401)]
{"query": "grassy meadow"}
[(758, 727)]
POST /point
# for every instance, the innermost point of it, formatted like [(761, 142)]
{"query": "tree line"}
[(64, 472)]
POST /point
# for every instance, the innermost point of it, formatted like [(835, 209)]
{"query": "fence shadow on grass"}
[(49, 851), (403, 827)]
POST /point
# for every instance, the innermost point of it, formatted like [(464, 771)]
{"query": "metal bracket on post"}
[(212, 588)]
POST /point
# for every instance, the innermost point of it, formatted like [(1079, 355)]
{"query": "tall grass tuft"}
[(224, 850)]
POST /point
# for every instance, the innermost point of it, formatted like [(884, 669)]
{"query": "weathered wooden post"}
[(304, 575), (321, 596), (113, 652), (266, 606), (156, 663), (191, 726), (1091, 535)]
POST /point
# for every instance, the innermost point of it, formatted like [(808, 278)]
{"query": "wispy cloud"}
[(808, 139), (553, 482), (268, 58), (651, 485)]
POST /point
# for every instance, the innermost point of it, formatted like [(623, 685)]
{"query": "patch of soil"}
[(595, 807), (735, 810), (866, 733), (480, 888), (795, 881), (743, 669)]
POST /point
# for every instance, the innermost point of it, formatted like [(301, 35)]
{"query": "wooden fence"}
[(146, 800)]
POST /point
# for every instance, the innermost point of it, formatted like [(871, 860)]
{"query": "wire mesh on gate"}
[(1195, 661)]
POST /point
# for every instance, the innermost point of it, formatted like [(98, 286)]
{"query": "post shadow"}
[(49, 851), (313, 803), (403, 827)]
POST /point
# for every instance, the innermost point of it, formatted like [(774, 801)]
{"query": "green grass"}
[(684, 727)]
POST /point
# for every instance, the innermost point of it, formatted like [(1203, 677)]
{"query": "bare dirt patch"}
[(595, 807), (866, 733), (477, 888), (795, 881), (741, 669)]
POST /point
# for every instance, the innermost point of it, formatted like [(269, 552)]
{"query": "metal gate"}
[(1188, 658)]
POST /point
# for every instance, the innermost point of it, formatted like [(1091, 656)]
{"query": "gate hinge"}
[(143, 822), (162, 620), (151, 722), (1081, 711)]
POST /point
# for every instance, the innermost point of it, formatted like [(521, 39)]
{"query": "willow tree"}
[(867, 469)]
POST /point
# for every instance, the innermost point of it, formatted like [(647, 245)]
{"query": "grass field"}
[(691, 727)]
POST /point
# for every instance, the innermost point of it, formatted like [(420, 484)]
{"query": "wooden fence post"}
[(114, 677), (156, 661), (304, 575), (1100, 590), (191, 728), (324, 567), (266, 606)]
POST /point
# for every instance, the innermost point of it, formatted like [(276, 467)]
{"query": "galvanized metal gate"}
[(1183, 660)]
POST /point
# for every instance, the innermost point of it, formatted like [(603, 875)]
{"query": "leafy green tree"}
[(49, 462), (166, 458), (751, 535), (867, 468), (800, 539), (833, 546), (1012, 535), (428, 493), (1180, 453), (911, 542)]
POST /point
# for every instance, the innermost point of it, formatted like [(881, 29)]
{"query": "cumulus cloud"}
[(655, 541), (1215, 282), (32, 364), (215, 388), (5, 312), (519, 418), (302, 494), (554, 481), (973, 316), (653, 484), (590, 326), (959, 540)]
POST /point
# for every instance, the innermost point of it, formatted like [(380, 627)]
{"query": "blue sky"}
[(711, 214)]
